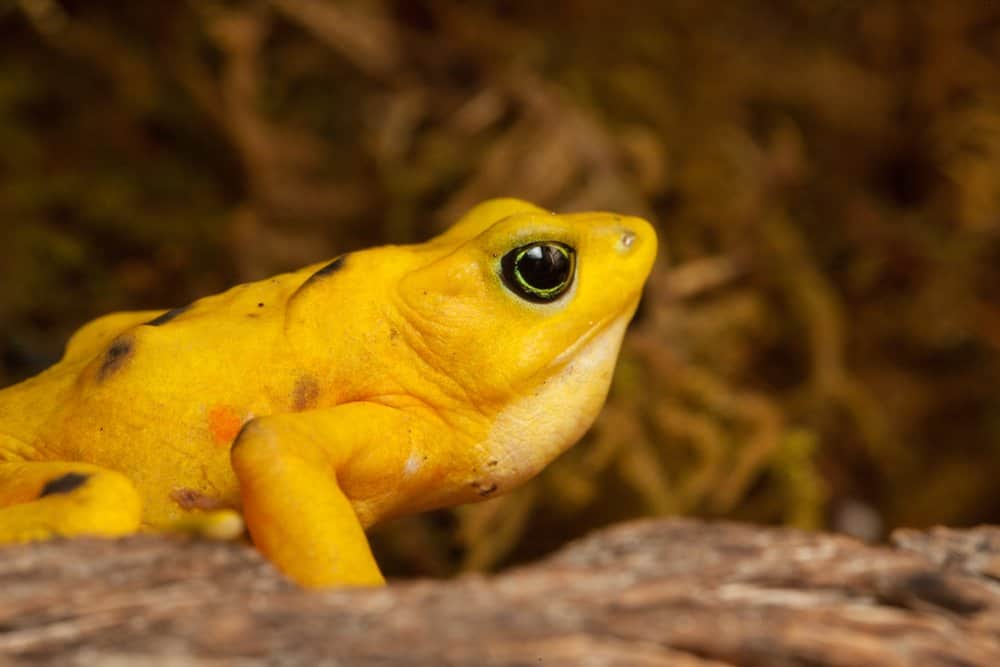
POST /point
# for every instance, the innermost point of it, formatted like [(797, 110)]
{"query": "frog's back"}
[(159, 395), (28, 407)]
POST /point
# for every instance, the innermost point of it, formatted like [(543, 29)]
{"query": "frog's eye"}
[(539, 272)]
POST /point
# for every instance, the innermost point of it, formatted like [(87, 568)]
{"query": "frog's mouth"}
[(558, 410), (600, 329)]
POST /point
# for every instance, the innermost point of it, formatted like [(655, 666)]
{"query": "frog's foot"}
[(45, 499), (222, 524)]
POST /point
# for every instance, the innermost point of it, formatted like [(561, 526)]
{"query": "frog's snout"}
[(635, 240)]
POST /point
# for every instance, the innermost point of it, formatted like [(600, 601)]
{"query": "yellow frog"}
[(391, 380)]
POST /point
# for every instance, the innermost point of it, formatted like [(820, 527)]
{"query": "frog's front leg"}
[(44, 499), (299, 472)]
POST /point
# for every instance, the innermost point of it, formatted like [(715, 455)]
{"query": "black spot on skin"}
[(68, 482), (121, 350), (167, 316), (330, 268), (492, 463), (305, 393), (326, 271), (260, 304)]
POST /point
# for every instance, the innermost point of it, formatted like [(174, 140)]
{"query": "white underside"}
[(531, 432)]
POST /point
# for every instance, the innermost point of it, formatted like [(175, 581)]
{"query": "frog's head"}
[(525, 310)]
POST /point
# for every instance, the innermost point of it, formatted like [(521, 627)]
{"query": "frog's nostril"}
[(626, 241)]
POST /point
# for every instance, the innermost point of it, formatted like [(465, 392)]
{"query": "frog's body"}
[(388, 381)]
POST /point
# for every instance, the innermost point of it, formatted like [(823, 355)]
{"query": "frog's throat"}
[(530, 432)]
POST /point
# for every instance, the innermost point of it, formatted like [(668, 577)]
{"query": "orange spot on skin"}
[(224, 423)]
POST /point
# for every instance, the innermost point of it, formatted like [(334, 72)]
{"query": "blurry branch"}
[(555, 151), (364, 38), (419, 542), (395, 135), (490, 530), (989, 323), (766, 426), (641, 467), (283, 165), (809, 291), (805, 489), (103, 49), (756, 424), (47, 16), (239, 36), (696, 277), (968, 144), (709, 443), (818, 309), (195, 78), (576, 483)]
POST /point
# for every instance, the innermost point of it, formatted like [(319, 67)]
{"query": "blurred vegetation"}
[(818, 347)]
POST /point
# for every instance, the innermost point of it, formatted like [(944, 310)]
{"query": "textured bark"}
[(647, 593)]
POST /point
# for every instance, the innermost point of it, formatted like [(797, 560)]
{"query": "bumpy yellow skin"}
[(317, 403)]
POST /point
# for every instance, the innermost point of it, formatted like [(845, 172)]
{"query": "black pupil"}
[(544, 266)]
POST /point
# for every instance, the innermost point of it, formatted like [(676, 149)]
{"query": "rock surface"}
[(672, 592)]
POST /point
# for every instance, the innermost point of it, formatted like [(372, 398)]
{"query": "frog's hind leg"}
[(44, 499)]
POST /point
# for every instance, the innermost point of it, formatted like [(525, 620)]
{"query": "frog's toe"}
[(223, 524), (44, 499)]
